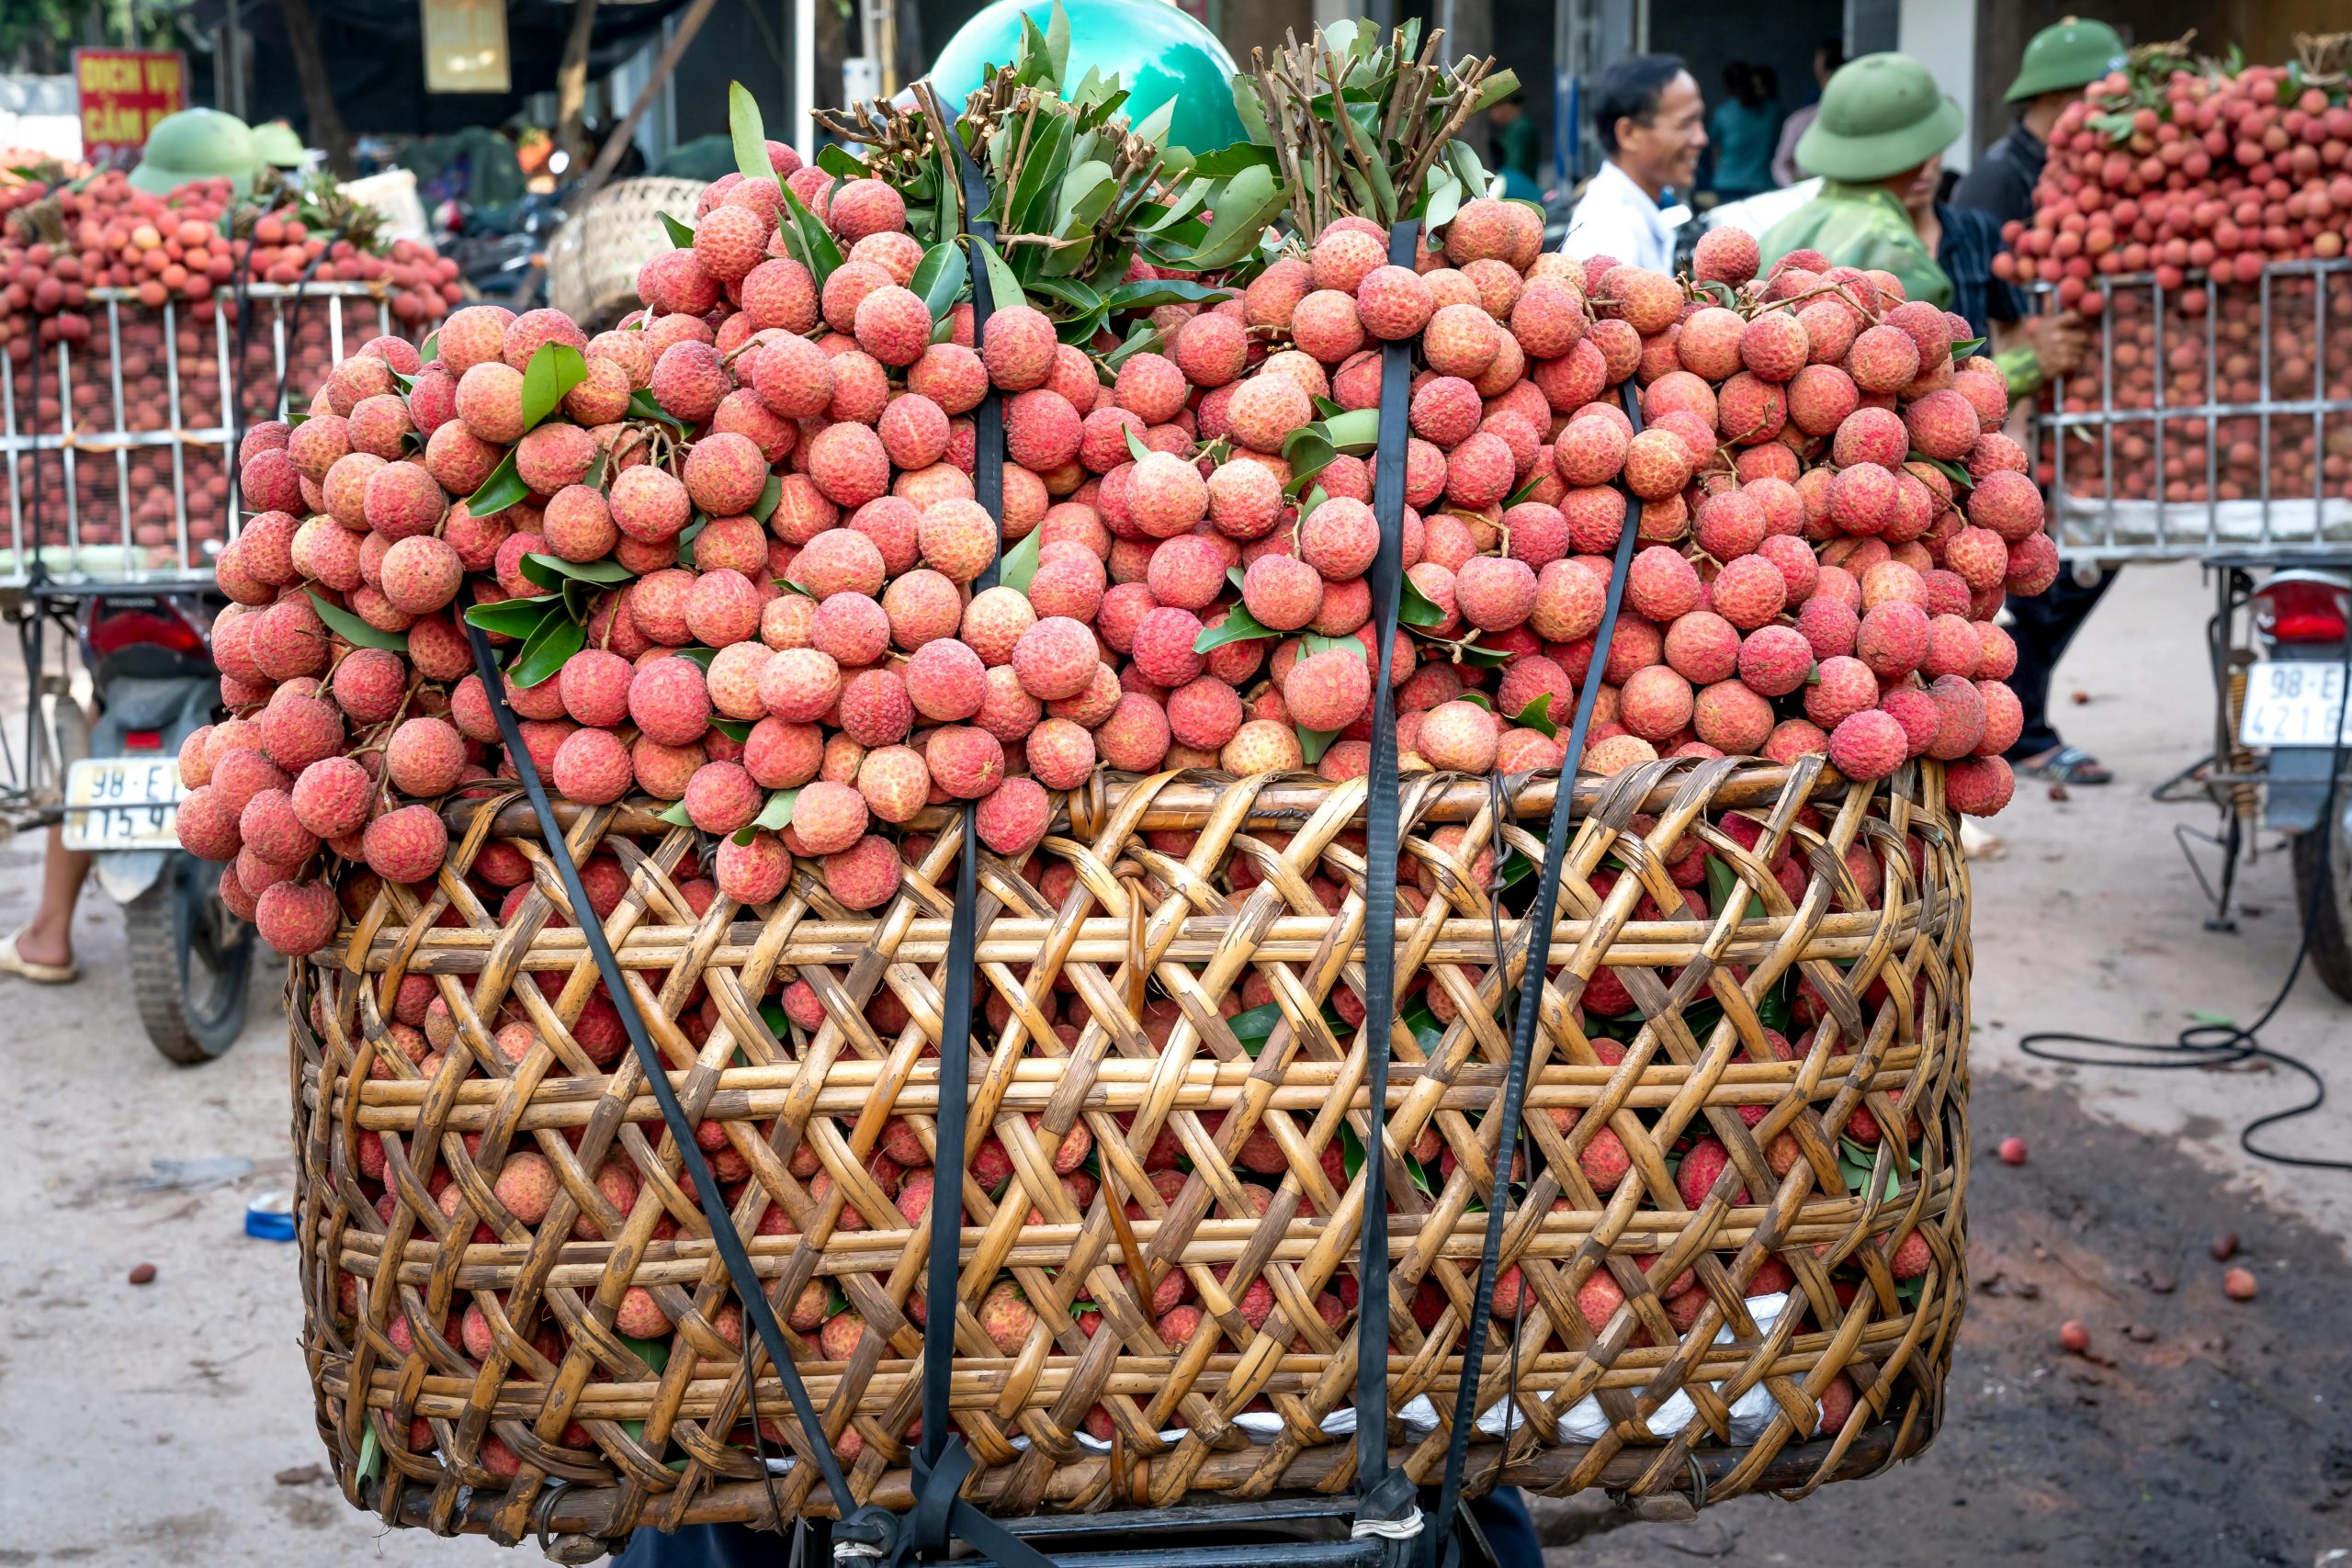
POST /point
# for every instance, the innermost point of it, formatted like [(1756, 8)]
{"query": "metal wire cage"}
[(2215, 417), (161, 397)]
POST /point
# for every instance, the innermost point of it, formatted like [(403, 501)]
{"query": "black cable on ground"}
[(2217, 1045)]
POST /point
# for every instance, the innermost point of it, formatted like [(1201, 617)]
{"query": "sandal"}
[(2068, 765), (14, 962)]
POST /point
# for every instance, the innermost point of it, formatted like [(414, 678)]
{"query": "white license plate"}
[(2292, 703), (123, 803)]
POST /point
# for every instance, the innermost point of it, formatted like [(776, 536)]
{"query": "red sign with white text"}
[(124, 93)]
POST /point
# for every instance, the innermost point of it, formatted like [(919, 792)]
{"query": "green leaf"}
[(1353, 431), (1142, 338), (1057, 40), (1228, 161), (775, 814), (733, 729), (1313, 743), (1177, 209), (1537, 715), (1309, 643), (1327, 406), (841, 163), (550, 571), (687, 536), (1087, 193), (750, 137), (1440, 198), (1239, 625), (1476, 699), (1150, 293), (1004, 290), (354, 630), (431, 352), (1136, 448), (514, 618), (1020, 563), (371, 1454), (558, 637), (681, 237), (1250, 111), (1248, 203), (1041, 172), (1722, 884), (698, 657), (1963, 349), (1415, 608), (1469, 652), (771, 493), (675, 815), (1530, 487), (549, 377), (1070, 292), (1945, 467), (940, 277), (819, 253), (1254, 1027), (642, 406), (1153, 127), (503, 489)]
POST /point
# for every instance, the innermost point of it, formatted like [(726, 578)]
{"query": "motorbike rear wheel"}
[(2324, 887), (191, 963)]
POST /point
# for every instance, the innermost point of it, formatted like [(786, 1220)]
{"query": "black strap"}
[(731, 1252), (941, 1463), (1384, 1493), (1529, 1013)]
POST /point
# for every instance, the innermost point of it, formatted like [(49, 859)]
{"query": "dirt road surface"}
[(171, 1423)]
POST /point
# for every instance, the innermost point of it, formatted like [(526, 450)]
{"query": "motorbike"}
[(190, 960), (2293, 658), (502, 250)]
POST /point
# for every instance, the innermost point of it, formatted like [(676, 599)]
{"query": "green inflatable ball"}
[(196, 144), (1156, 50)]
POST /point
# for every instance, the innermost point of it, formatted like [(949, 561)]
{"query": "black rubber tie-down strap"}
[(941, 1463), (1540, 916), (730, 1245), (1385, 1494)]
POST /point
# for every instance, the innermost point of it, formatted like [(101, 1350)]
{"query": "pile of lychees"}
[(2180, 174), (763, 485)]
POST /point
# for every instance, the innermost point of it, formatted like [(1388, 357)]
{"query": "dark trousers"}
[(1502, 1515), (2043, 626)]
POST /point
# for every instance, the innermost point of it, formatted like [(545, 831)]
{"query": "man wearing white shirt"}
[(1652, 124)]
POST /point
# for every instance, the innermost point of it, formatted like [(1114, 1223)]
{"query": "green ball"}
[(1156, 51)]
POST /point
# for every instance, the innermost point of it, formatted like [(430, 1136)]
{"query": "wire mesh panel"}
[(2207, 417), (121, 449)]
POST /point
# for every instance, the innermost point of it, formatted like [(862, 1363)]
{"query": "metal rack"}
[(187, 559), (2097, 523)]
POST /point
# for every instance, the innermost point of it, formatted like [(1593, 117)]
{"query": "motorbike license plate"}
[(2294, 703), (123, 803)]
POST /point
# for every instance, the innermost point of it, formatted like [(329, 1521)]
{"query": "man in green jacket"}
[(1883, 121)]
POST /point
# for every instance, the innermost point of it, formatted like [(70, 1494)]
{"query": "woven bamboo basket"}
[(593, 256), (1666, 1338)]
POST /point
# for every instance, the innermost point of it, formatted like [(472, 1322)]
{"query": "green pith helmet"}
[(276, 145), (196, 144), (2074, 53), (1158, 52), (1879, 114)]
